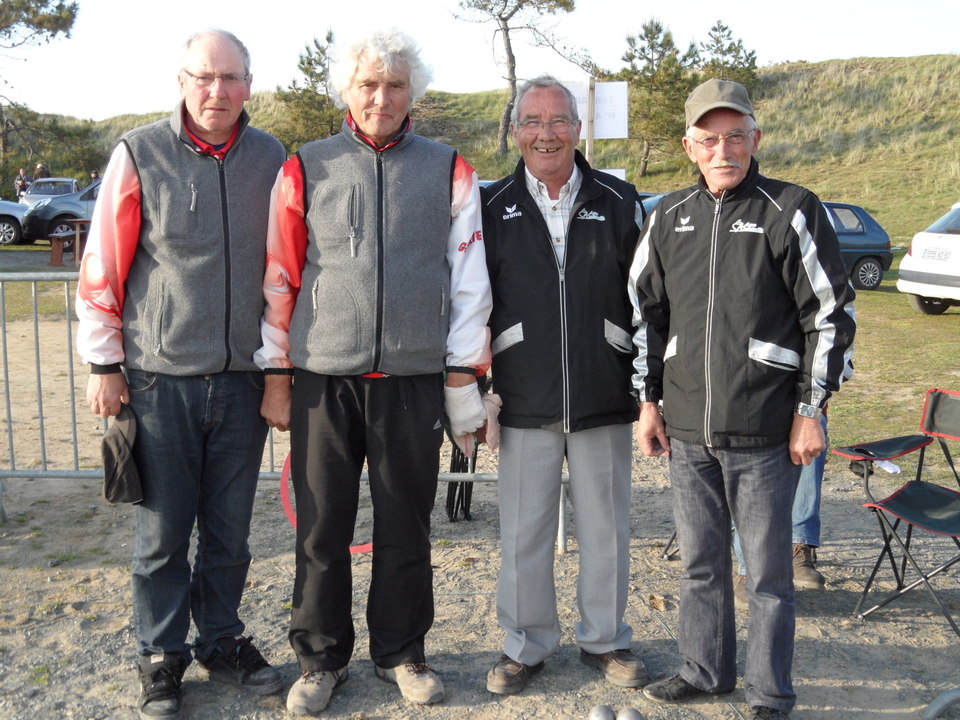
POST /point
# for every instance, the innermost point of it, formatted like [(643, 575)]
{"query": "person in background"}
[(744, 324), (559, 237), (170, 301), (41, 171), (376, 285), (21, 182), (94, 176)]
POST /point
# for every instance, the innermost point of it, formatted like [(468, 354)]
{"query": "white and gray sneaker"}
[(417, 682), (310, 695)]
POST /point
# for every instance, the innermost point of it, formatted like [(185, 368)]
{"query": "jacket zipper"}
[(226, 260), (707, 345), (378, 350), (564, 334)]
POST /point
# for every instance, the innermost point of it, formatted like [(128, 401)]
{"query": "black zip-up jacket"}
[(561, 336), (743, 310)]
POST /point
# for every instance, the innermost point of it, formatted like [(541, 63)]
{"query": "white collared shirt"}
[(556, 212)]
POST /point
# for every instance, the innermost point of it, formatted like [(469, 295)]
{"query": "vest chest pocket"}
[(180, 210)]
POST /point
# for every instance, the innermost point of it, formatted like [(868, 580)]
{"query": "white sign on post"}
[(610, 108)]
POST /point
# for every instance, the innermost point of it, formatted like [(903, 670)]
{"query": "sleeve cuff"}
[(105, 369)]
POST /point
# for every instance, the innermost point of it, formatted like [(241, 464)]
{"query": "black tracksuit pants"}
[(395, 424)]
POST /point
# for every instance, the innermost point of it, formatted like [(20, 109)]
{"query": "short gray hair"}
[(541, 83), (395, 49), (226, 35)]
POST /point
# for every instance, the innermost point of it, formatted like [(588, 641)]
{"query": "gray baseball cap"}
[(713, 94)]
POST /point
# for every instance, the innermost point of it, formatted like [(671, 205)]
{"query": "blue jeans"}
[(806, 504), (198, 448), (713, 488)]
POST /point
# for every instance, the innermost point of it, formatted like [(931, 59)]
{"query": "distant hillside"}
[(878, 132)]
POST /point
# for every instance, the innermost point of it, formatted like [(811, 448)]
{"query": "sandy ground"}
[(67, 650)]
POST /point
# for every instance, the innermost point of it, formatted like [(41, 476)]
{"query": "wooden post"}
[(591, 111)]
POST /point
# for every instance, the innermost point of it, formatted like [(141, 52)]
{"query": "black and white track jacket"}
[(742, 308), (561, 337)]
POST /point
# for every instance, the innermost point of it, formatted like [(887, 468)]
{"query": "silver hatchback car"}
[(48, 188)]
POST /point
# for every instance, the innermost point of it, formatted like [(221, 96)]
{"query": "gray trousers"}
[(530, 469)]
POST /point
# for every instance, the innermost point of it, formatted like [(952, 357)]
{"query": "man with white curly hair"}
[(376, 285)]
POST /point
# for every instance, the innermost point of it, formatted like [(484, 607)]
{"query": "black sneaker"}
[(675, 689), (768, 713), (235, 661), (161, 677)]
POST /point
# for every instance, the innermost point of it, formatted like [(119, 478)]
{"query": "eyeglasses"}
[(228, 79), (559, 126), (733, 139)]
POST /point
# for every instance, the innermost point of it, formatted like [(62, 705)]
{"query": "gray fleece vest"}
[(195, 289), (376, 283)]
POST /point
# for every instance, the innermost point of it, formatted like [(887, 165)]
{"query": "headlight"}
[(38, 205)]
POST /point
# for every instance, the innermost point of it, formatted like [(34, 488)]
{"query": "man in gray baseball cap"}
[(744, 324)]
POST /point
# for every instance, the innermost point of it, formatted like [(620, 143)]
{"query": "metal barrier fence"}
[(49, 431)]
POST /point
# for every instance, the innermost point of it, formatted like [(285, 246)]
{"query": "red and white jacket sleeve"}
[(286, 255), (468, 340), (111, 247)]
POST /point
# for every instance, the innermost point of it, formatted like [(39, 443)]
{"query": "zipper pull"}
[(353, 243), (193, 198)]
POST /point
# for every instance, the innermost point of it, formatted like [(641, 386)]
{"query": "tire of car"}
[(928, 305), (867, 273), (60, 224), (9, 232)]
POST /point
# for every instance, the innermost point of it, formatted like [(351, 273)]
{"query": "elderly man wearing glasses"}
[(745, 323), (169, 302), (559, 239)]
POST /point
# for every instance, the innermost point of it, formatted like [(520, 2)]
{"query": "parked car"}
[(48, 188), (864, 244), (11, 222), (930, 271), (53, 215)]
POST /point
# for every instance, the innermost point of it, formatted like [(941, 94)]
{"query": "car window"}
[(845, 220), (41, 187), (949, 223)]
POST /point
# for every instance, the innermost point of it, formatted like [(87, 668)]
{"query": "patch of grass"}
[(50, 608), (41, 675), (444, 543), (60, 558)]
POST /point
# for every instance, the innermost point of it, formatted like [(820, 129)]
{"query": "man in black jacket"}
[(745, 322), (559, 237)]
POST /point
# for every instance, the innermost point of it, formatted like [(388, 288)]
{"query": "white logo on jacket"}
[(590, 215), (740, 227), (683, 227), (511, 212)]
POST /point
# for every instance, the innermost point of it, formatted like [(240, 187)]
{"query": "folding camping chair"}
[(919, 505)]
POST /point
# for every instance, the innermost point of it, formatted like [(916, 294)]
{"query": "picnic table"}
[(58, 240)]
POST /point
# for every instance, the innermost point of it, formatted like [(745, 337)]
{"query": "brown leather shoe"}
[(508, 676), (805, 573), (619, 667), (741, 596)]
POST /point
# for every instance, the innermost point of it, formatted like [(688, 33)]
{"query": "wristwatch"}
[(808, 411)]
